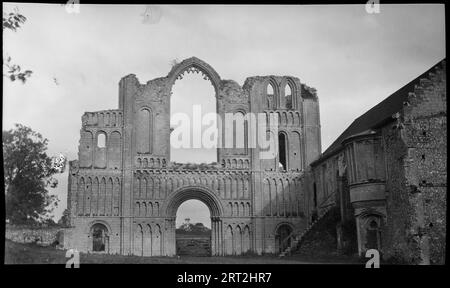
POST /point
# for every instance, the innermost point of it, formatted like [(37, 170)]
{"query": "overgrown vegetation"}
[(397, 259), (28, 173), (194, 166), (322, 238), (197, 229), (65, 219), (174, 62)]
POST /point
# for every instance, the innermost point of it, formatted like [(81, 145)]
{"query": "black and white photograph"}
[(301, 134)]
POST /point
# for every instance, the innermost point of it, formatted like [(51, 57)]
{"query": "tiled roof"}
[(377, 114)]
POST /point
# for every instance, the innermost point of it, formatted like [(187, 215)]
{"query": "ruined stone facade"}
[(123, 197), (387, 172)]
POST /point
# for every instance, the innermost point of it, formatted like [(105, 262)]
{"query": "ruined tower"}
[(123, 195)]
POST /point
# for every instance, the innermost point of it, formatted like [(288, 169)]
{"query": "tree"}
[(65, 219), (13, 21), (28, 172)]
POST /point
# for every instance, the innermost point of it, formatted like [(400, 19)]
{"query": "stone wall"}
[(416, 147), (398, 243), (40, 236), (427, 120), (130, 185), (397, 176)]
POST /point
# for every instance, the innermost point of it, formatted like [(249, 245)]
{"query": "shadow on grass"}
[(18, 253)]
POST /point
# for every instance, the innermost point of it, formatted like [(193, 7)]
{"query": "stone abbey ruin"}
[(123, 197)]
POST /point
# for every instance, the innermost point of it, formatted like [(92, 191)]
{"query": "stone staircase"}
[(297, 238)]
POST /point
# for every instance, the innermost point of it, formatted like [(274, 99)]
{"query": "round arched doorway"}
[(193, 229), (215, 209), (283, 237), (100, 238)]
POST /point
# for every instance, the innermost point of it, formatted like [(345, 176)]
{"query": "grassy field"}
[(17, 253)]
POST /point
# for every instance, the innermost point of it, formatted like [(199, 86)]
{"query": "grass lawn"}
[(18, 253)]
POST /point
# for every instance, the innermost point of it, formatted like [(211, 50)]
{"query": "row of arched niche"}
[(147, 240), (239, 209), (112, 118), (277, 98), (151, 187), (282, 198), (103, 151), (97, 196), (237, 240)]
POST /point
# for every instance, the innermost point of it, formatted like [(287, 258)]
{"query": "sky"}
[(192, 92), (354, 59)]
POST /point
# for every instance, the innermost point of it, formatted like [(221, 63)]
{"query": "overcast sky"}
[(353, 59)]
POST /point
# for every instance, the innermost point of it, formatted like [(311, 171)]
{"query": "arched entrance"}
[(193, 229), (100, 238), (282, 237), (216, 211), (373, 233)]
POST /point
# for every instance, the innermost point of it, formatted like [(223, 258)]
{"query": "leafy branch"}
[(13, 21), (14, 71)]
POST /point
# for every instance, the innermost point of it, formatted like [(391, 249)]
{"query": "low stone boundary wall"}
[(40, 236)]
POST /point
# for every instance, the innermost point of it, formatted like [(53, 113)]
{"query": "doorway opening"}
[(100, 238), (373, 237), (193, 229), (283, 237)]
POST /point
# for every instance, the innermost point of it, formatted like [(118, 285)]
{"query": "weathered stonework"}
[(123, 197), (419, 142), (386, 172), (393, 163), (40, 236)]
